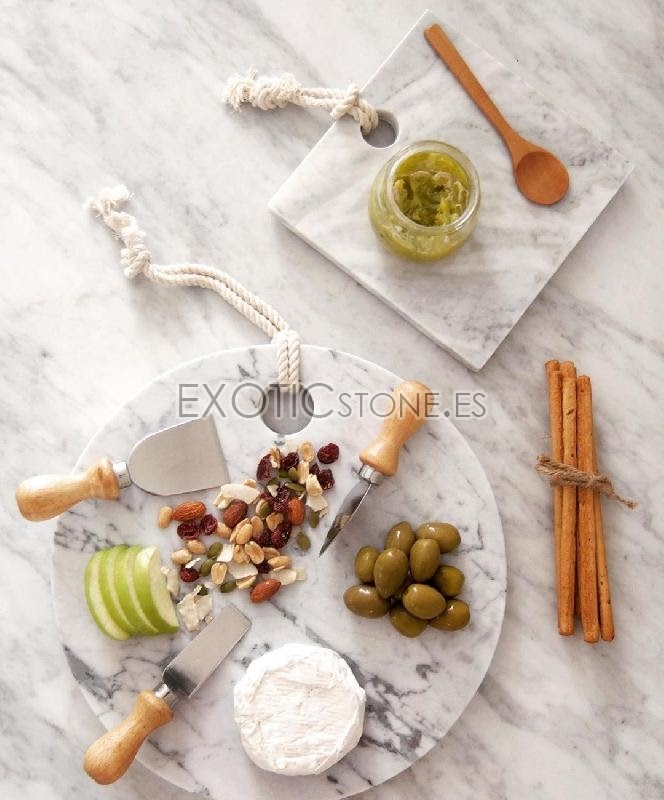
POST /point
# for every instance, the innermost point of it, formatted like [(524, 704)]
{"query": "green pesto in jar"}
[(431, 188), (424, 202)]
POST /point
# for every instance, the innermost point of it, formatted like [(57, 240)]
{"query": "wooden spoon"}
[(540, 176)]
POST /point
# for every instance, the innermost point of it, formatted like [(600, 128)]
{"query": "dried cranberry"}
[(263, 566), (314, 469), (290, 461), (280, 502), (326, 479), (280, 535), (189, 530), (188, 574), (264, 468), (263, 538), (328, 454), (208, 524)]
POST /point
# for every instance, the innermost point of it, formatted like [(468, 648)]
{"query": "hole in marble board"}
[(385, 133), (286, 412)]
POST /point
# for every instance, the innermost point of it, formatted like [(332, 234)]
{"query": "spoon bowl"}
[(541, 177)]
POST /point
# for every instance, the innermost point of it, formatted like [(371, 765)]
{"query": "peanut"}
[(196, 547), (181, 556), (165, 516), (255, 552), (218, 572)]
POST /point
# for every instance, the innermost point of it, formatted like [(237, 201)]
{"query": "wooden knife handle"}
[(46, 496), (112, 754), (411, 400)]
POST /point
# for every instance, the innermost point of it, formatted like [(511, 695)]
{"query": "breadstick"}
[(586, 532), (606, 626), (554, 381), (568, 513)]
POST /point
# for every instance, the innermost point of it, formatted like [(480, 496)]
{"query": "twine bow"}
[(564, 475)]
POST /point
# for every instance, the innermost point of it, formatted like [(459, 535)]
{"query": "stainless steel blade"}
[(193, 666), (352, 502), (183, 458)]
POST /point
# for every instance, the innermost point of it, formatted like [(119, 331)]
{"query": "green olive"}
[(446, 535), (400, 535), (364, 563), (448, 580), (406, 623), (423, 601), (424, 557), (366, 602), (455, 617), (390, 571)]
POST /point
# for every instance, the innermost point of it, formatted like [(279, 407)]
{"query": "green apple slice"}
[(153, 595), (95, 600), (127, 594), (109, 591)]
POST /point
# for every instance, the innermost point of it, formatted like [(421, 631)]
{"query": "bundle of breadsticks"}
[(581, 569)]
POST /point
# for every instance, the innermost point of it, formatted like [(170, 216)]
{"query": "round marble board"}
[(416, 689)]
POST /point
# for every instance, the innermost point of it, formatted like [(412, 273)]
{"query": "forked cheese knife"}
[(111, 755), (176, 460), (411, 401)]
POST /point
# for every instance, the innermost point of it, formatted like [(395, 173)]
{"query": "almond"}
[(264, 590), (185, 512), (235, 512), (296, 511)]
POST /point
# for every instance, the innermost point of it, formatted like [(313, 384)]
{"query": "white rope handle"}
[(267, 93), (137, 259)]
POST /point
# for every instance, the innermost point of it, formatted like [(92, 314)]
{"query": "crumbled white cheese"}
[(194, 609), (284, 576), (299, 710), (239, 571), (317, 502)]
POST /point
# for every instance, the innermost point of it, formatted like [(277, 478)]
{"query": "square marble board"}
[(469, 302)]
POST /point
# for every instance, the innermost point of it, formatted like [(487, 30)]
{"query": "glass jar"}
[(411, 239)]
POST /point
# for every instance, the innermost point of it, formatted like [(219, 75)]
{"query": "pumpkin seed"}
[(303, 541), (228, 586)]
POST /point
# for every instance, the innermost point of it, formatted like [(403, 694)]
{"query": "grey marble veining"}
[(469, 301), (95, 92), (415, 689)]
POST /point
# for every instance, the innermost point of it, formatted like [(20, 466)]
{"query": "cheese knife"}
[(411, 401), (112, 754), (183, 458)]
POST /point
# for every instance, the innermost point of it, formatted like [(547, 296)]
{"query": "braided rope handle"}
[(137, 260), (268, 93)]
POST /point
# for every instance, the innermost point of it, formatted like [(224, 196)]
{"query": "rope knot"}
[(358, 108)]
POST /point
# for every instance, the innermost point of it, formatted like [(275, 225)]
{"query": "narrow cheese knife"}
[(176, 460), (112, 754), (410, 403)]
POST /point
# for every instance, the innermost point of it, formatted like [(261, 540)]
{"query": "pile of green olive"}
[(407, 581)]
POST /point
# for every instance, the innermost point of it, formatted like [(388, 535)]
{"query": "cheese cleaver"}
[(411, 402), (176, 460), (111, 755)]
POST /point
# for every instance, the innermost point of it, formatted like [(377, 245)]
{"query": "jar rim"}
[(464, 162)]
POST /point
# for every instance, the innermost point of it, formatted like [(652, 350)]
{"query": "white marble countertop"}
[(96, 92)]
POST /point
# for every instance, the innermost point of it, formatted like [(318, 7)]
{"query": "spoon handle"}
[(440, 42)]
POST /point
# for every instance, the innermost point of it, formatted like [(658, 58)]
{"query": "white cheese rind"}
[(299, 710)]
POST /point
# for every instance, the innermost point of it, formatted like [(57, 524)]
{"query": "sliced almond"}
[(318, 503), (246, 583), (226, 553), (284, 576), (300, 574), (302, 471), (314, 489), (239, 571), (237, 491)]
